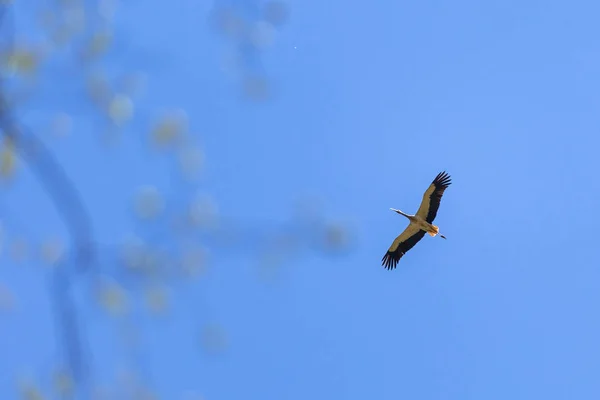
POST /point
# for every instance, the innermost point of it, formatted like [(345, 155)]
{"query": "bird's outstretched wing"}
[(432, 197), (403, 243)]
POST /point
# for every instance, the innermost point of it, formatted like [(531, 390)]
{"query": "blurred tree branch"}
[(173, 235)]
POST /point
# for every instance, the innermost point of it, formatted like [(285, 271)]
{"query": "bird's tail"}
[(435, 231)]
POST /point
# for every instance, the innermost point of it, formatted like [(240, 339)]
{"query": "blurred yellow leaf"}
[(133, 84), (29, 391), (194, 262), (113, 298), (134, 253), (336, 237), (170, 129), (230, 23), (120, 109), (23, 61), (213, 338), (203, 211), (73, 16), (262, 35), (8, 158), (148, 202), (191, 160), (98, 88), (61, 35), (52, 250), (276, 12), (157, 299), (63, 383), (98, 44)]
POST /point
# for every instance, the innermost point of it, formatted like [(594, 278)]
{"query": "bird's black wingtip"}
[(388, 262), (442, 179)]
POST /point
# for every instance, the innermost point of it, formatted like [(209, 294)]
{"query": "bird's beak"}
[(393, 209)]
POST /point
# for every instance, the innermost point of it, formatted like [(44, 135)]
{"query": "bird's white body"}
[(420, 223)]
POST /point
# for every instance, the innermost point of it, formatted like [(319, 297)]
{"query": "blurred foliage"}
[(170, 129), (186, 227), (248, 35), (113, 298), (8, 158)]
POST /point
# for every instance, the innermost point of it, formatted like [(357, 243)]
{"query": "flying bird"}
[(420, 223)]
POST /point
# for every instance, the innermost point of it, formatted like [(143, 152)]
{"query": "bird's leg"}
[(434, 231)]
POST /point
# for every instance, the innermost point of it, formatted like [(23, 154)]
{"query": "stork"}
[(420, 223)]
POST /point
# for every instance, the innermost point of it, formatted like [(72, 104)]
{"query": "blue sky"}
[(369, 102)]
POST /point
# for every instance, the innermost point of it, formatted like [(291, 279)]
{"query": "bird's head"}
[(400, 212)]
